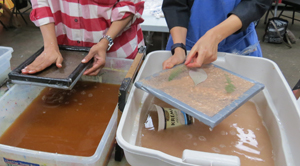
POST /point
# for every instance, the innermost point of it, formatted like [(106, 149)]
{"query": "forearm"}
[(117, 26), (178, 34), (226, 28), (49, 37), (250, 10)]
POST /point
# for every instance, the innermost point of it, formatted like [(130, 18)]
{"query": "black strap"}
[(178, 45)]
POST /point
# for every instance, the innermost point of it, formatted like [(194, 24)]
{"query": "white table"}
[(154, 24)]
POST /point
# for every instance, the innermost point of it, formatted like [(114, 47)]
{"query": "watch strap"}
[(178, 45), (109, 39)]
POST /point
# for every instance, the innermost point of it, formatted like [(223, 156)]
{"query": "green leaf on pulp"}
[(229, 87), (175, 72)]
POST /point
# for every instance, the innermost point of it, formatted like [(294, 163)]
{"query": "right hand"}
[(49, 56), (178, 58)]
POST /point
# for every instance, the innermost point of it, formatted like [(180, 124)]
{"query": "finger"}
[(95, 72), (89, 56), (193, 53), (198, 61), (169, 65), (164, 65), (39, 68), (97, 64), (31, 67), (59, 61)]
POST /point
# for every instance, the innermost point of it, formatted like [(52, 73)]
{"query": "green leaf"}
[(229, 87), (175, 72)]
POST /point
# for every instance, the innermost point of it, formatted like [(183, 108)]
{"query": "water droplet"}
[(75, 100), (257, 128), (44, 112), (195, 144), (222, 146), (210, 129), (223, 133), (90, 95), (232, 132), (77, 109), (79, 103), (202, 138), (95, 87), (83, 92), (66, 102), (215, 149)]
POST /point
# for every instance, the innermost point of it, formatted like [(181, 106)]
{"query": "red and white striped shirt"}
[(84, 22)]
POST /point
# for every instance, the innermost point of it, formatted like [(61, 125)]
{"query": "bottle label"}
[(171, 117)]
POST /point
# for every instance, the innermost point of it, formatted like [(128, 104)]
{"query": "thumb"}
[(190, 56), (59, 61), (89, 56)]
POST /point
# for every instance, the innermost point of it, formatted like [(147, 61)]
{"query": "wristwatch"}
[(110, 41), (178, 45)]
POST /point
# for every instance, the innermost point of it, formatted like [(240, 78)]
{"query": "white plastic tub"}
[(5, 56), (15, 101), (276, 105)]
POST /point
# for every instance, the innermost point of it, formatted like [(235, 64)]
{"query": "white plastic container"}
[(5, 56), (15, 101), (276, 105)]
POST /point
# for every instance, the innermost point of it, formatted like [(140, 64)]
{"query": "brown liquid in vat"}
[(65, 122), (241, 134)]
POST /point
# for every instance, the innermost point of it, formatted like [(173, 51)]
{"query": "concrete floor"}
[(26, 39)]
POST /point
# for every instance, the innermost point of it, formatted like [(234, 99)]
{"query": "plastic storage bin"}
[(5, 55), (276, 105), (13, 103)]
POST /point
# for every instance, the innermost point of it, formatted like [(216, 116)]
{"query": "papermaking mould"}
[(62, 78)]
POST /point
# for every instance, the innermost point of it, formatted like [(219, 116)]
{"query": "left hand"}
[(204, 51), (98, 51)]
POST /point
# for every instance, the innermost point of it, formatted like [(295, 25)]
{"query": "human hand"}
[(98, 52), (177, 58), (49, 56), (204, 51)]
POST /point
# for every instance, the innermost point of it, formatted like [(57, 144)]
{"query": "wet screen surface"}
[(209, 97), (65, 121), (71, 60)]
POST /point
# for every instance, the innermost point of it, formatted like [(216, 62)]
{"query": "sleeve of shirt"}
[(41, 13), (125, 8), (250, 10), (177, 12)]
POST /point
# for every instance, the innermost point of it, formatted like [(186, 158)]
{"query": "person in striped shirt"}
[(110, 27)]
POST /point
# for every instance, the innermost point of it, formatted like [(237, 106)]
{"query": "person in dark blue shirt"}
[(208, 26)]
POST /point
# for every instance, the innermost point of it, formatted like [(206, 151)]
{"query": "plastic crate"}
[(276, 104), (5, 56), (15, 101)]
